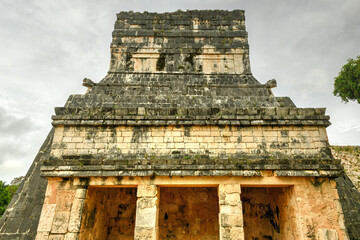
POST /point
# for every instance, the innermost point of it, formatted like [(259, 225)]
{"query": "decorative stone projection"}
[(231, 215), (147, 212)]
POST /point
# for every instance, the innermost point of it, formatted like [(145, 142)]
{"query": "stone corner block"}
[(229, 188), (42, 236), (147, 190), (145, 233), (80, 193)]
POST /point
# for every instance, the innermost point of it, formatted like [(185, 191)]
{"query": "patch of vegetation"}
[(7, 192), (347, 83), (354, 150)]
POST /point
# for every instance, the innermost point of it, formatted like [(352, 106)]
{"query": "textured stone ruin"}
[(180, 141)]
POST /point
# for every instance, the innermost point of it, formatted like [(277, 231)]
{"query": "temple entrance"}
[(189, 213), (268, 213), (109, 213)]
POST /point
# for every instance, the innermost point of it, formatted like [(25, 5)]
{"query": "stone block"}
[(227, 209), (46, 218), (77, 140), (147, 190), (232, 199), (231, 220), (56, 237), (42, 236), (80, 193), (145, 233), (323, 134), (75, 215), (192, 145), (71, 236), (58, 134), (60, 222), (146, 217), (146, 202), (230, 188), (231, 233), (327, 234)]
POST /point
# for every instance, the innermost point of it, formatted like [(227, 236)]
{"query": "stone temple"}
[(180, 141)]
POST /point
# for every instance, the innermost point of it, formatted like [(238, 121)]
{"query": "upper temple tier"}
[(192, 59), (180, 95), (191, 42)]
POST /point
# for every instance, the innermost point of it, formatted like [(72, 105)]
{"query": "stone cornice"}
[(191, 116)]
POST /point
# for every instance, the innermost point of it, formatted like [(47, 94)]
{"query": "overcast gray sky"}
[(48, 47)]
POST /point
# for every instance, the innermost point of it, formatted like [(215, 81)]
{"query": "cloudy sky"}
[(48, 47)]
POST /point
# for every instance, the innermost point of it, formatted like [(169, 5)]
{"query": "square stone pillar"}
[(230, 216), (147, 212), (62, 210)]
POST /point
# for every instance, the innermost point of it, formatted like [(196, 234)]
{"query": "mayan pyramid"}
[(180, 141)]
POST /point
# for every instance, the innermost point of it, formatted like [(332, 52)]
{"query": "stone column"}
[(147, 212), (76, 214), (62, 210), (230, 216)]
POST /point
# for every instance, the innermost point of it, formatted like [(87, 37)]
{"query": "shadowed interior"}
[(189, 213), (109, 213), (268, 213)]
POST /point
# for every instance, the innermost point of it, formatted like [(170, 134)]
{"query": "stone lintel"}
[(150, 173)]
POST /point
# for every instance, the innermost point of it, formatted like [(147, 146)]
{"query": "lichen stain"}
[(139, 132), (317, 183), (187, 130), (90, 217), (160, 63)]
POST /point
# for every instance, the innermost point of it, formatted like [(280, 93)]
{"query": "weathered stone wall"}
[(180, 150), (317, 202), (148, 142), (191, 41), (308, 208), (350, 159), (349, 198), (189, 213), (109, 213)]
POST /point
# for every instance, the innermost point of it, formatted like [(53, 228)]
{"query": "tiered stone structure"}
[(180, 141)]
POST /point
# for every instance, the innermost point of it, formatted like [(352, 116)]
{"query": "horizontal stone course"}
[(189, 113)]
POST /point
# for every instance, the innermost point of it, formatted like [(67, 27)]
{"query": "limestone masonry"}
[(180, 141)]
